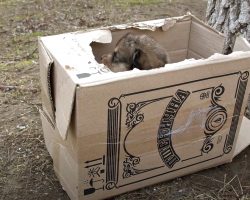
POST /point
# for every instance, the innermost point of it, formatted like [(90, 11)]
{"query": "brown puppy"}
[(135, 51)]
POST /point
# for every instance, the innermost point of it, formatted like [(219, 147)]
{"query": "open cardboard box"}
[(109, 133)]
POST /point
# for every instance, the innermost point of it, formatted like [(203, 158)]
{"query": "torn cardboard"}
[(109, 133)]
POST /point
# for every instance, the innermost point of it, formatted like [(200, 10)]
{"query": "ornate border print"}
[(134, 117), (239, 95), (131, 114), (216, 118), (164, 143), (113, 142)]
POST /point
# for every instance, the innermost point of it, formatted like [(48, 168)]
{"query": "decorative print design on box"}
[(216, 118), (129, 167), (113, 142), (134, 117), (95, 179), (164, 143), (239, 95), (186, 106)]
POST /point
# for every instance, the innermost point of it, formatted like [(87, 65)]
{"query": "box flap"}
[(243, 140), (54, 87), (64, 100), (46, 65)]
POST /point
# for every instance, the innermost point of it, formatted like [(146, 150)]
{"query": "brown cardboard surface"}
[(116, 132), (199, 37), (64, 99), (241, 44), (192, 54)]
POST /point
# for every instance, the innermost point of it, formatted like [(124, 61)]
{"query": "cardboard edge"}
[(64, 121), (45, 116), (243, 140), (46, 66), (164, 24)]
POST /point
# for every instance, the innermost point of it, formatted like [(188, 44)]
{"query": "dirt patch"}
[(26, 169)]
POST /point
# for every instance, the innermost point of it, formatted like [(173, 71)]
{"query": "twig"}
[(3, 31), (224, 181), (9, 87), (210, 197), (229, 184), (237, 195), (241, 189), (12, 87), (213, 179)]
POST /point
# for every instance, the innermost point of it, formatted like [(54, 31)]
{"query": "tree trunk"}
[(231, 17)]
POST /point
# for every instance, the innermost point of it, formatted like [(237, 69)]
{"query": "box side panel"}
[(192, 54), (149, 129), (203, 41), (63, 155), (243, 140), (175, 40), (241, 44), (177, 56)]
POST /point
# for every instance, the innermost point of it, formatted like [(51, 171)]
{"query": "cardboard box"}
[(109, 133)]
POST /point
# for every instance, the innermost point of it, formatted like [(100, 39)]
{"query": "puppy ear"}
[(136, 57)]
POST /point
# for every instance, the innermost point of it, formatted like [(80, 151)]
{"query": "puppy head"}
[(125, 55)]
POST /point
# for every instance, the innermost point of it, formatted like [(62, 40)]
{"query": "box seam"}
[(191, 21)]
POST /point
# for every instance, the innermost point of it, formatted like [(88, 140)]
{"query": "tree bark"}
[(231, 17)]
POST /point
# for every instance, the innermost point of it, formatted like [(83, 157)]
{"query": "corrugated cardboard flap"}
[(243, 140), (58, 90), (46, 64), (64, 100)]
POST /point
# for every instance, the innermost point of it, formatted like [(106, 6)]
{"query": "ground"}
[(26, 169)]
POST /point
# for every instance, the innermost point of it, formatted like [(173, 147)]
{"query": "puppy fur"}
[(135, 51)]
